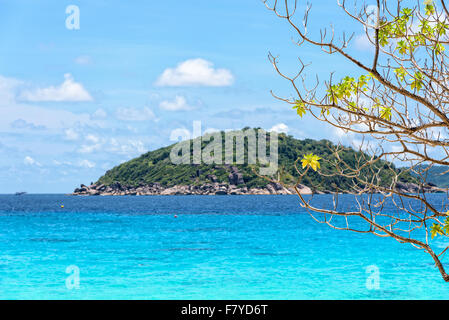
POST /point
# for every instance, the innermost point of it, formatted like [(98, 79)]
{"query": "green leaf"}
[(300, 107), (435, 230), (441, 28), (430, 9), (402, 47), (417, 81), (363, 82), (446, 226), (406, 13), (439, 48), (325, 110), (385, 113), (401, 73), (426, 29), (383, 39)]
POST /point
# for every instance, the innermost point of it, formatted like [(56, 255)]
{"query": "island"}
[(154, 173)]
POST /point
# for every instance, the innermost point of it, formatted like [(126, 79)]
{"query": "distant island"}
[(436, 175), (153, 173)]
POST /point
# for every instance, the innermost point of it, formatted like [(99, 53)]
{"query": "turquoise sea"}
[(218, 247)]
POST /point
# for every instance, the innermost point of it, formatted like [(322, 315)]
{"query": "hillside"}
[(437, 175), (154, 172)]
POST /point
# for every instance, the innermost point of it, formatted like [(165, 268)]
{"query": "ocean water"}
[(218, 247)]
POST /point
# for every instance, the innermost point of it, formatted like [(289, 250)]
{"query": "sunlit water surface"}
[(218, 247)]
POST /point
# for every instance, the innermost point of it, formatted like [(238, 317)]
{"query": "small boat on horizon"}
[(20, 193)]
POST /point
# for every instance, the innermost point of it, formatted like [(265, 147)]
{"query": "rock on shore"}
[(414, 188), (215, 188), (118, 189)]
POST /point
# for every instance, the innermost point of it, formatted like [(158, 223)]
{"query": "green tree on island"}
[(398, 103)]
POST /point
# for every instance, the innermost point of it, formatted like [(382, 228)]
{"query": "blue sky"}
[(74, 103)]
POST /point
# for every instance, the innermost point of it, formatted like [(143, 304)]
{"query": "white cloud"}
[(92, 138), (211, 130), (340, 133), (86, 164), (180, 134), (22, 124), (62, 163), (99, 114), (195, 72), (11, 110), (354, 140), (396, 148), (71, 134), (90, 148), (69, 90), (280, 128), (129, 147), (31, 162), (8, 88), (178, 104), (40, 117), (362, 43), (83, 60), (134, 114)]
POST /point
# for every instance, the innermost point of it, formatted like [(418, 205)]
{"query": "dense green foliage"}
[(156, 167)]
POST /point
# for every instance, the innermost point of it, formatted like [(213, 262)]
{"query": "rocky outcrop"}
[(408, 187), (212, 177), (235, 177), (215, 188), (118, 189), (303, 189)]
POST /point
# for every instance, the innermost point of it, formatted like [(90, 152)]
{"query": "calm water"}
[(219, 247)]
